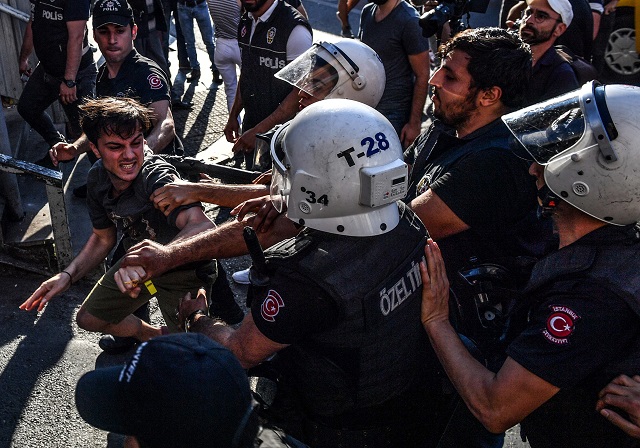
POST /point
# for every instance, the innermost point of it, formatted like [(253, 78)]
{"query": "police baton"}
[(258, 274)]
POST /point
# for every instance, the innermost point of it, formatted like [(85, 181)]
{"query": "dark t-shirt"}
[(572, 335), (50, 34), (576, 330), (132, 212), (394, 38), (551, 76), (490, 190)]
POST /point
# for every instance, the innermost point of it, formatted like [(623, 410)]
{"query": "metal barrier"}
[(191, 167), (57, 207)]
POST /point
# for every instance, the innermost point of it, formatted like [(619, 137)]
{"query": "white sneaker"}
[(241, 277)]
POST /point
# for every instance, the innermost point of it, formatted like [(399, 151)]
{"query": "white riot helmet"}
[(588, 141), (338, 166), (345, 69)]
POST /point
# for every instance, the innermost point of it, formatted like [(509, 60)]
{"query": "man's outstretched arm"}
[(224, 241)]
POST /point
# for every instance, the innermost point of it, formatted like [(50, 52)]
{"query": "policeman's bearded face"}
[(454, 97), (253, 5)]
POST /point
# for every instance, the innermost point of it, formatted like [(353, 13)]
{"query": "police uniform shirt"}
[(50, 34), (290, 310), (139, 78), (571, 337)]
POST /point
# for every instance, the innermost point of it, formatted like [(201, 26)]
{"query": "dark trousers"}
[(42, 90)]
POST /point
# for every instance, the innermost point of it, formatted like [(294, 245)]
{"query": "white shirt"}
[(299, 41)]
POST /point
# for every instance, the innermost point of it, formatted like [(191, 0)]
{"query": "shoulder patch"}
[(154, 81), (560, 324), (271, 306)]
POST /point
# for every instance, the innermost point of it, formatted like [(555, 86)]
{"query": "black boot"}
[(223, 302)]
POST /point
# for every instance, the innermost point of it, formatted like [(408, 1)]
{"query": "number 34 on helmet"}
[(338, 167)]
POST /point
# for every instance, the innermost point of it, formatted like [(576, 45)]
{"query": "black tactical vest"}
[(265, 55), (375, 350), (612, 263)]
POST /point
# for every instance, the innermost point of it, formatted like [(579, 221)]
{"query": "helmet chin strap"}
[(549, 201)]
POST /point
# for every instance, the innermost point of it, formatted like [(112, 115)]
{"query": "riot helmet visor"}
[(319, 70), (280, 172), (549, 128)]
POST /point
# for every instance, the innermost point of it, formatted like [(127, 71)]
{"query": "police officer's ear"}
[(134, 31), (490, 97)]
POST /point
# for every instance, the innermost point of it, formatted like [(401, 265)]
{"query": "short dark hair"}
[(497, 58), (111, 115)]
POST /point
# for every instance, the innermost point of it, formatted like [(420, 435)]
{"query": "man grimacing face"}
[(122, 157)]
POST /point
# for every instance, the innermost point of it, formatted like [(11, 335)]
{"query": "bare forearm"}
[(470, 378), (74, 50), (596, 23), (225, 241), (161, 135), (27, 43), (81, 145), (238, 105), (92, 254), (228, 195), (193, 230), (283, 113), (419, 99), (213, 330)]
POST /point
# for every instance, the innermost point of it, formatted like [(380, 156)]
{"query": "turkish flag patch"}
[(154, 81), (560, 324), (271, 306)]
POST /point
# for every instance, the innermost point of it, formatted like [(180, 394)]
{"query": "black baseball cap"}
[(177, 390), (117, 12)]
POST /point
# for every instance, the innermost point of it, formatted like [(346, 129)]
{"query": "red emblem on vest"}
[(560, 324), (271, 306), (154, 81), (243, 31)]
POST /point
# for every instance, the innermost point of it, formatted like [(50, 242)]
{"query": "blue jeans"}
[(199, 12), (42, 90)]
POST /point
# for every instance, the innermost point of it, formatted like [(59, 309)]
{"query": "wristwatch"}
[(71, 83), (189, 321)]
